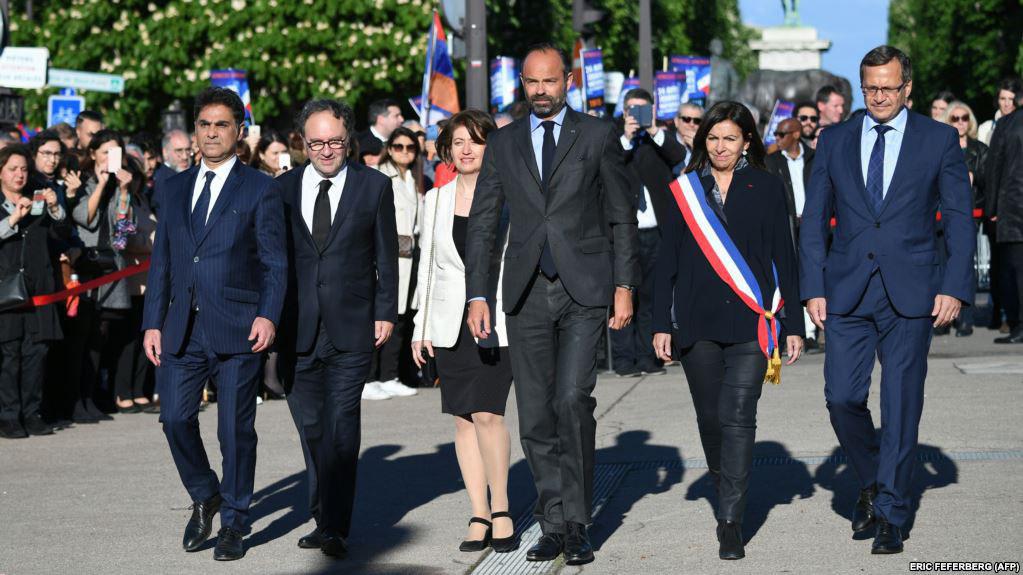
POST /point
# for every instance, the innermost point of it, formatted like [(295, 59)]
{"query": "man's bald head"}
[(787, 134)]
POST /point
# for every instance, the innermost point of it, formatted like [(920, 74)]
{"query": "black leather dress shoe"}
[(1015, 336), (888, 539), (36, 426), (730, 540), (201, 524), (547, 548), (312, 540), (863, 513), (578, 550), (334, 545), (82, 415), (230, 545), (12, 430)]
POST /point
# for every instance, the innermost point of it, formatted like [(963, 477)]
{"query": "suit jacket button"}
[(877, 224), (195, 259), (870, 256), (321, 284)]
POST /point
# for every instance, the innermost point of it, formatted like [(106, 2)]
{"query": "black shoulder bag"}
[(13, 289)]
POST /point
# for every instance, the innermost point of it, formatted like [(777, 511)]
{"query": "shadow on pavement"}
[(638, 483), (934, 470), (770, 485)]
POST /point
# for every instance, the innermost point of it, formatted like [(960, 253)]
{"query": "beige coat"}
[(407, 216)]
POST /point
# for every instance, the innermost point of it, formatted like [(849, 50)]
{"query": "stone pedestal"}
[(789, 48)]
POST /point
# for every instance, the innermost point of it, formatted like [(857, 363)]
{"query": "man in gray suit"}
[(572, 252)]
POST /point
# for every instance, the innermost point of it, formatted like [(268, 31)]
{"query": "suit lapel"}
[(348, 198), (524, 141), (186, 203), (446, 219), (901, 164), (567, 138), (297, 221), (234, 179), (856, 167)]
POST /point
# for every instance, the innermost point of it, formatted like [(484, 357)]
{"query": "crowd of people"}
[(88, 201)]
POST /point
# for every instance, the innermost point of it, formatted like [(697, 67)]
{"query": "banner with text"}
[(593, 79), (668, 87), (504, 82), (235, 81), (697, 71), (782, 110), (627, 85)]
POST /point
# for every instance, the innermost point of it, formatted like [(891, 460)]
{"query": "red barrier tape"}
[(977, 213), (41, 300)]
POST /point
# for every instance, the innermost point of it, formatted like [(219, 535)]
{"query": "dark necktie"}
[(875, 169), (321, 216), (642, 199), (547, 161), (202, 207)]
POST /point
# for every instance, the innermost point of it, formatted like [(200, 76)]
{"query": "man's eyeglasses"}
[(886, 91), (50, 155), (956, 119), (689, 119), (780, 134), (410, 148), (317, 145), (813, 119)]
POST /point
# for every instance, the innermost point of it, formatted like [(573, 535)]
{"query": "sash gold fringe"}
[(774, 368)]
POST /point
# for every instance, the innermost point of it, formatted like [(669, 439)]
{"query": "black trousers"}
[(21, 377), (131, 367), (553, 343), (634, 344), (725, 381), (386, 364), (1012, 284), (325, 402)]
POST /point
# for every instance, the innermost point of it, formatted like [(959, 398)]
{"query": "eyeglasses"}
[(317, 145), (886, 91), (779, 134), (689, 119), (808, 118), (410, 148), (50, 155), (963, 118)]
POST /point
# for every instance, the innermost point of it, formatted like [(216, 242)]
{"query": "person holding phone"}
[(25, 333), (270, 155), (475, 374)]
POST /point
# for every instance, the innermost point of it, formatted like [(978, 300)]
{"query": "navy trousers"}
[(900, 343), (325, 402), (180, 380)]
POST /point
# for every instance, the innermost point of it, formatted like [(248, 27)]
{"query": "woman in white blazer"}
[(399, 161), (475, 376)]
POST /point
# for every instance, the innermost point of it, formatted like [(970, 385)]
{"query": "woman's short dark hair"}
[(43, 138), (882, 55), (220, 96), (477, 122), (15, 150), (742, 117)]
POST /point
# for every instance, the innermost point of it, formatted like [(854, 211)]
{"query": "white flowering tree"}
[(292, 50)]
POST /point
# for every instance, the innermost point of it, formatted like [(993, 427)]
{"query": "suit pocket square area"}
[(241, 295)]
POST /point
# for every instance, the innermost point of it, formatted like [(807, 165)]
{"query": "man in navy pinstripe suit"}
[(217, 281)]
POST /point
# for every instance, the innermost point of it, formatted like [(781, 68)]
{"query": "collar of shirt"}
[(799, 158), (311, 178), (221, 171), (559, 119), (374, 131), (311, 188), (898, 123)]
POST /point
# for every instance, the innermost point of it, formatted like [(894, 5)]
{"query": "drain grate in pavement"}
[(988, 366), (605, 481), (607, 476)]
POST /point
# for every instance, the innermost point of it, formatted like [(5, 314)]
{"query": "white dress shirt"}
[(796, 177), (311, 188), (892, 145), (645, 218), (219, 179)]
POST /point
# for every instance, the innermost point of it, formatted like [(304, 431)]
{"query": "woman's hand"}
[(795, 348), (21, 209), (662, 346), (73, 183), (51, 198), (124, 178), (417, 351), (101, 178)]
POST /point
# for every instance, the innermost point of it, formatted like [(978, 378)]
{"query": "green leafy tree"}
[(965, 46)]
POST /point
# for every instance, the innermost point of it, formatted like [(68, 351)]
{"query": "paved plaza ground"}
[(106, 498)]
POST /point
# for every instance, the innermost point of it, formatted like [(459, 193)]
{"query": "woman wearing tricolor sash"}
[(725, 271)]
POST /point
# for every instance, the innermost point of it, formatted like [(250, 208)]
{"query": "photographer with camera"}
[(650, 154)]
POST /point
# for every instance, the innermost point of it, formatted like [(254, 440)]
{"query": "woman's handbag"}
[(429, 368), (100, 260), (405, 246), (13, 289)]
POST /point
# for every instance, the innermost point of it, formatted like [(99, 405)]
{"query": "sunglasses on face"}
[(808, 118), (689, 120), (779, 134), (410, 148), (963, 118)]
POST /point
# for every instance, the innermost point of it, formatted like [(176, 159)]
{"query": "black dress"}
[(472, 379)]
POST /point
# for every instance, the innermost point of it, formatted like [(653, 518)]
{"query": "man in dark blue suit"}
[(216, 286), (342, 303), (883, 287)]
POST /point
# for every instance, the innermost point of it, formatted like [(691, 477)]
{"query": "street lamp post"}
[(477, 75)]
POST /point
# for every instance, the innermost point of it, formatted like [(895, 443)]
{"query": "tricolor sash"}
[(730, 266)]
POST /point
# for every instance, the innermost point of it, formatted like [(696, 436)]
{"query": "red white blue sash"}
[(730, 266)]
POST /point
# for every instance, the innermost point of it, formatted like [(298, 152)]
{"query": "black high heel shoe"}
[(504, 544), (472, 546)]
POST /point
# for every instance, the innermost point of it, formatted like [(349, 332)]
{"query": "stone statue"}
[(724, 80), (791, 9)]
